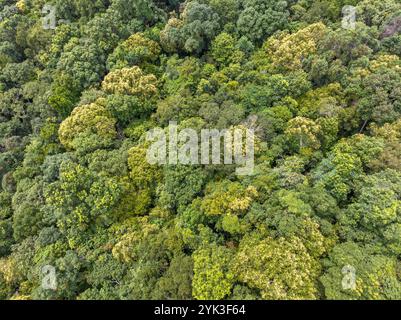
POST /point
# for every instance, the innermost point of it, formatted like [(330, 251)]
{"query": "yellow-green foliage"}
[(78, 192), (130, 81), (280, 268), (306, 130), (142, 173), (136, 50)]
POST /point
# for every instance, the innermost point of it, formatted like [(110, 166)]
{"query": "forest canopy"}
[(82, 82)]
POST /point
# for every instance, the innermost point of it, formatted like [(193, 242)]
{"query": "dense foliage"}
[(78, 194)]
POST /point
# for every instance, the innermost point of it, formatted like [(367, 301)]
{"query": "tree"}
[(326, 101), (374, 213), (197, 25), (6, 231), (79, 196), (227, 198), (130, 81), (82, 61), (290, 214), (345, 163), (27, 203), (16, 74), (142, 172), (305, 130), (137, 50), (81, 8), (354, 272), (228, 11), (152, 254), (377, 92), (126, 108), (288, 51), (279, 268), (181, 185), (213, 279), (259, 96), (388, 157), (224, 50), (374, 12)]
